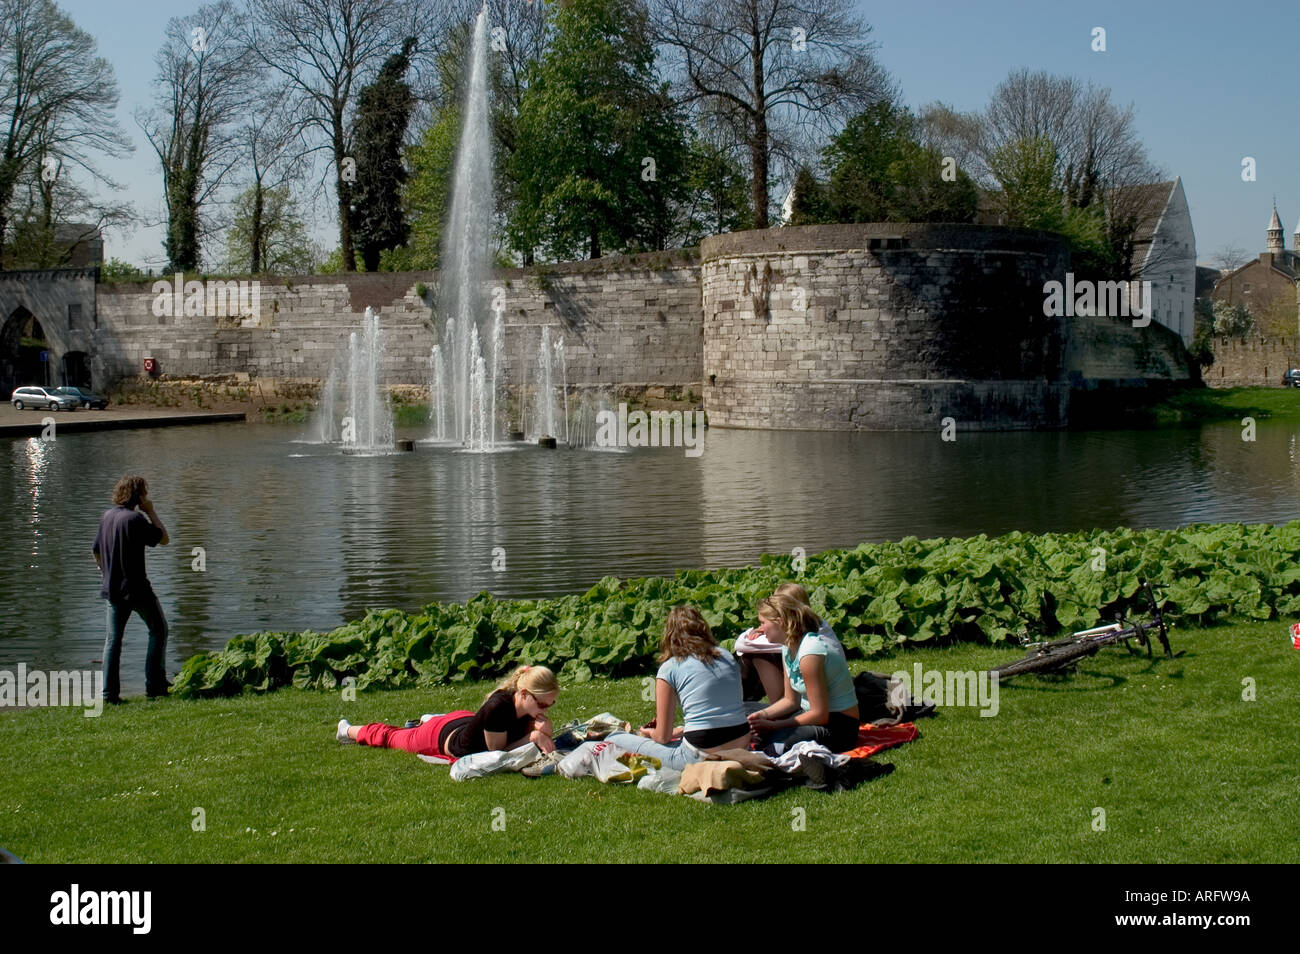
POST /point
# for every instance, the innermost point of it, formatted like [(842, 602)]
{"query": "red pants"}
[(422, 740)]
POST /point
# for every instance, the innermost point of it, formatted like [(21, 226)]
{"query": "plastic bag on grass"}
[(606, 762), (479, 764)]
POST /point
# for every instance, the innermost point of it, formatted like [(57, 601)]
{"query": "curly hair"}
[(687, 634), (797, 619), (128, 491)]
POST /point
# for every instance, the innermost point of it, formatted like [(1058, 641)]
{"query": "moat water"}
[(296, 536)]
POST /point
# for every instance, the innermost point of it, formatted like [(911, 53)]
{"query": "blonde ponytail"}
[(537, 680)]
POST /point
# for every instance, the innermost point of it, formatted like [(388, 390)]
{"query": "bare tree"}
[(274, 156), (786, 71), (203, 89), (324, 51), (954, 134), (1100, 158), (1229, 258), (57, 98), (52, 213)]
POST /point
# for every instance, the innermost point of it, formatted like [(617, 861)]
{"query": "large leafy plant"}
[(875, 596)]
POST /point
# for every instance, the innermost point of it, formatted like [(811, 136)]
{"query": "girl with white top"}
[(760, 658)]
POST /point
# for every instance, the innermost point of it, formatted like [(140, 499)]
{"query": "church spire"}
[(1275, 243)]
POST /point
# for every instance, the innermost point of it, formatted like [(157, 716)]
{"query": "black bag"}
[(884, 700)]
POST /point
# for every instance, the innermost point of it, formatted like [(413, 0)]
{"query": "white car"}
[(38, 398)]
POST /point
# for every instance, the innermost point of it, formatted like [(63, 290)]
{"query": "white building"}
[(1164, 252)]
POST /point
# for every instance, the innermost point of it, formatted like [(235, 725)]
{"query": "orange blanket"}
[(872, 740)]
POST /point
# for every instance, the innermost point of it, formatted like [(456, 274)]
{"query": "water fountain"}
[(465, 400), (368, 427), (551, 412), (324, 422), (438, 393), (586, 420), (544, 406)]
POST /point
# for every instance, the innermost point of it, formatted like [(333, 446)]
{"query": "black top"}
[(497, 714), (123, 535)]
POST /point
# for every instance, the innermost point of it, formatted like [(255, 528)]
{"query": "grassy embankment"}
[(1201, 405), (1184, 768)]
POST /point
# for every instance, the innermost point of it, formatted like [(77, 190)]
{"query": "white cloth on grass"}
[(789, 760)]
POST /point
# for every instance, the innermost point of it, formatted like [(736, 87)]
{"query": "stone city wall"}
[(1255, 362), (1112, 350), (883, 327), (855, 327), (631, 320)]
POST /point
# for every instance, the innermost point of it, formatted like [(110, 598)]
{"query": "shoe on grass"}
[(543, 765), (342, 734)]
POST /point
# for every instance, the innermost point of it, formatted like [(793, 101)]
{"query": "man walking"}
[(123, 534)]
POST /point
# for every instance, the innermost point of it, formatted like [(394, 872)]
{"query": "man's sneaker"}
[(342, 734)]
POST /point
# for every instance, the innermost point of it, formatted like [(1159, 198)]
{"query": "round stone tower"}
[(883, 327)]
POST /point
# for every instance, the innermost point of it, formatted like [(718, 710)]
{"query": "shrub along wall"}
[(909, 592)]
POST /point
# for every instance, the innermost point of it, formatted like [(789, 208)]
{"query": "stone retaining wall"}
[(629, 320), (862, 327), (883, 327), (1255, 362)]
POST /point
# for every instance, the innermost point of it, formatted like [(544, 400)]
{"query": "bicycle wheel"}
[(1046, 661)]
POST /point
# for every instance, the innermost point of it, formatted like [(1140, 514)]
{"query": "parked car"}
[(88, 398), (1291, 379), (38, 398)]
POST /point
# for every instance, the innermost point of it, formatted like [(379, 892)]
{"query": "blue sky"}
[(1210, 83)]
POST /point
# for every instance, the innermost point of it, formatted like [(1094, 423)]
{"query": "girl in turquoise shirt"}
[(819, 703)]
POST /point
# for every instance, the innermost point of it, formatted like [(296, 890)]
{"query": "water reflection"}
[(296, 536)]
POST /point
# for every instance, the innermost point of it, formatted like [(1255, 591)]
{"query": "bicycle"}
[(1061, 654)]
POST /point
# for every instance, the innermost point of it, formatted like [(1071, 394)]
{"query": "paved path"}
[(28, 423)]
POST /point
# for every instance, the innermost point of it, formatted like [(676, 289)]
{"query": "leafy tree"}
[(716, 196), (116, 270), (383, 112), (1034, 195), (332, 264), (809, 205), (601, 155), (427, 194), (1025, 170), (880, 172), (269, 235)]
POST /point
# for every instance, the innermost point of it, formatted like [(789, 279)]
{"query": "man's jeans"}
[(117, 615)]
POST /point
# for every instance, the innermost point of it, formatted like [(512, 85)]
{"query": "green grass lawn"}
[(1196, 405), (1184, 769)]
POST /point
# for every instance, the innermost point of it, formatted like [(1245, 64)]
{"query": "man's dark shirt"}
[(123, 535)]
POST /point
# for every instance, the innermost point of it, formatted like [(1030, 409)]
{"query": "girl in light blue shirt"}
[(705, 679)]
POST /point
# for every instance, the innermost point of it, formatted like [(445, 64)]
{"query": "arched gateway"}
[(47, 324)]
